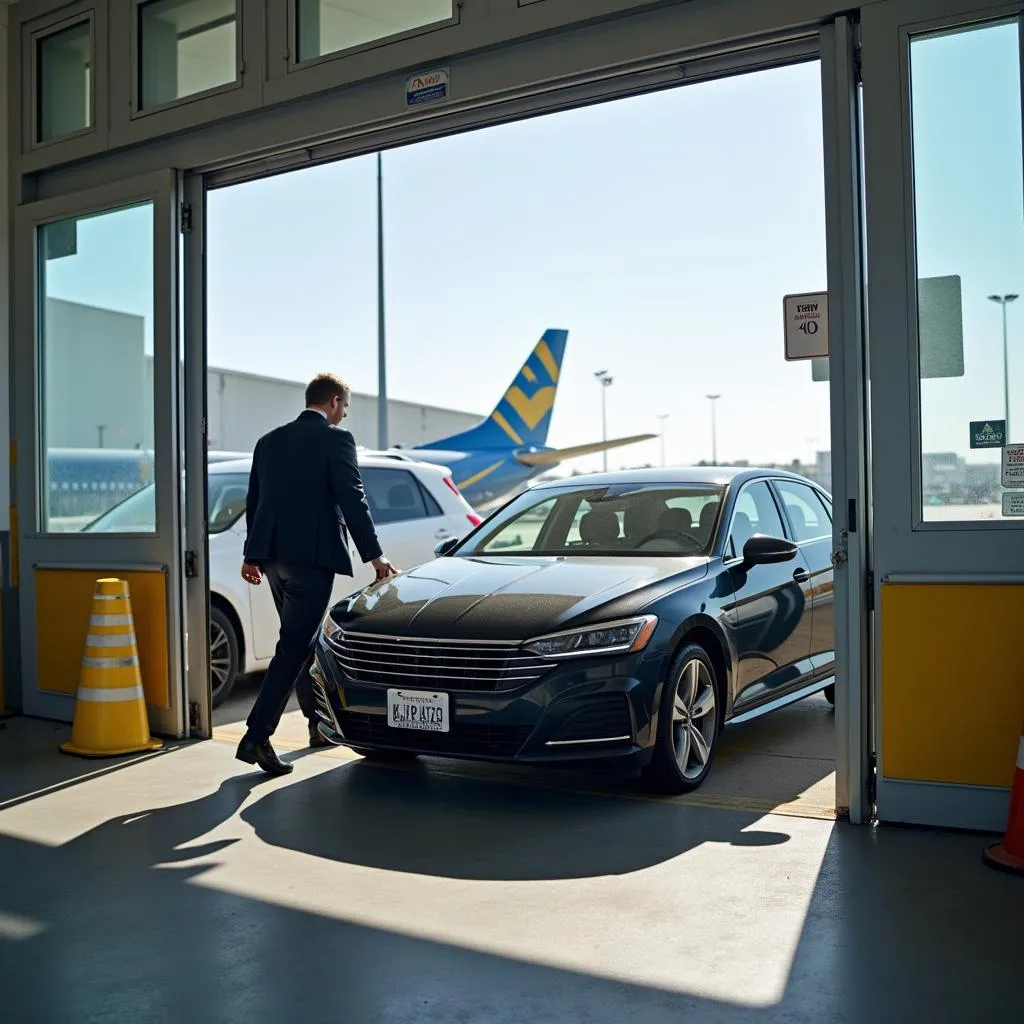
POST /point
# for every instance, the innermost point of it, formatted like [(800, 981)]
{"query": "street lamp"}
[(714, 438), (1003, 300), (662, 416), (605, 380)]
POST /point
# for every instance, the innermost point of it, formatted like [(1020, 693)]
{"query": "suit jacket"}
[(304, 490)]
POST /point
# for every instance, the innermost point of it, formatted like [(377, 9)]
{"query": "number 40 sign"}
[(806, 318)]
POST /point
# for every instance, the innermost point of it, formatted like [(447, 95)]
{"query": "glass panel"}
[(966, 110), (64, 87), (756, 512), (805, 511), (327, 26), (96, 364), (186, 47), (393, 495)]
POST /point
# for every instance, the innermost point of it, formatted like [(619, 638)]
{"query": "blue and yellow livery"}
[(497, 457)]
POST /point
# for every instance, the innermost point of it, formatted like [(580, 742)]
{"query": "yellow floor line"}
[(716, 802)]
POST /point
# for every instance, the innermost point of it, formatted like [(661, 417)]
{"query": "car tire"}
[(830, 693), (395, 756), (689, 722), (223, 656)]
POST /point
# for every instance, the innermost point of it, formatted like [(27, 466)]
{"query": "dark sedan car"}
[(622, 618)]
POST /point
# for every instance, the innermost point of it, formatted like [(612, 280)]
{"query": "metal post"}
[(1004, 301), (605, 380), (382, 383), (662, 417), (714, 432)]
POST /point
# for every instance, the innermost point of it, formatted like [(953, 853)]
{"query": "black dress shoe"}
[(252, 752), (316, 738)]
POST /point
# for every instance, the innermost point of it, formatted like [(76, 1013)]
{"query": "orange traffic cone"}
[(1009, 854), (110, 711)]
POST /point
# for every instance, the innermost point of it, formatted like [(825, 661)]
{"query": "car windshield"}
[(669, 520), (226, 502)]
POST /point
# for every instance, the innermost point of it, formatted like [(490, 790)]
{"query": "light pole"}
[(662, 416), (714, 437), (1003, 301), (605, 380), (382, 382)]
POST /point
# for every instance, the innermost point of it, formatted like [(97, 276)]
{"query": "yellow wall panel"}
[(952, 693), (63, 606)]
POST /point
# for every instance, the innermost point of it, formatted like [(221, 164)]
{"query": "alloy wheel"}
[(220, 656), (694, 719)]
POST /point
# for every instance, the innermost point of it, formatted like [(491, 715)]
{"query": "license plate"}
[(418, 709)]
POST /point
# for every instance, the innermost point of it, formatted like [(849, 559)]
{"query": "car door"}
[(810, 523), (409, 520), (770, 618)]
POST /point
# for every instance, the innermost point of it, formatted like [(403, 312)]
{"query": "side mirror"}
[(764, 550), (441, 548)]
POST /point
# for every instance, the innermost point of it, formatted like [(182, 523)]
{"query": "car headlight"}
[(329, 628), (620, 637)]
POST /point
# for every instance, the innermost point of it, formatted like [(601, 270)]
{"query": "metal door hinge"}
[(873, 779), (194, 723), (191, 565), (870, 583), (840, 554), (858, 67), (186, 218)]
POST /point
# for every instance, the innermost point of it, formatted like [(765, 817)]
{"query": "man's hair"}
[(325, 386)]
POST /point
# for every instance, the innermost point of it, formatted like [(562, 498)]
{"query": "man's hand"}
[(384, 568), (251, 573)]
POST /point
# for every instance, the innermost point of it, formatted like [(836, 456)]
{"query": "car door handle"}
[(800, 575), (441, 534)]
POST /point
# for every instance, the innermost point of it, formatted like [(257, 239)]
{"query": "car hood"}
[(510, 598)]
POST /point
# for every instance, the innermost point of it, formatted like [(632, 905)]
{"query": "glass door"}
[(99, 464)]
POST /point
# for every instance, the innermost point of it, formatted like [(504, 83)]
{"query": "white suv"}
[(414, 506)]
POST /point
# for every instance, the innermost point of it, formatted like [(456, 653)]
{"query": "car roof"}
[(243, 465), (720, 476)]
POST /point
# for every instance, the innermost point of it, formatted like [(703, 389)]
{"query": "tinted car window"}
[(755, 512), (623, 519), (805, 511), (394, 495)]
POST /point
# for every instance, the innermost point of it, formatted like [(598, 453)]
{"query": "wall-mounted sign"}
[(806, 318), (426, 87), (1013, 503), (988, 433), (1013, 466)]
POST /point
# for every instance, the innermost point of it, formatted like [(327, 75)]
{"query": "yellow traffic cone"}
[(110, 710)]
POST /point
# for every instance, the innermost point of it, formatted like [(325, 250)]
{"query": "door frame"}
[(113, 553)]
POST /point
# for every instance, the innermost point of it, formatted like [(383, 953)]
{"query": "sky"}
[(661, 231)]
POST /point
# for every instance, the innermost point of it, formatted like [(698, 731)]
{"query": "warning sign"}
[(1013, 503), (1013, 466), (806, 320)]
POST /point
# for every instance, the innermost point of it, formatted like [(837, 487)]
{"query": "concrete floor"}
[(183, 886)]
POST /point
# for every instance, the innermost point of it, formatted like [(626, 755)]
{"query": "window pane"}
[(756, 512), (393, 495), (96, 364), (327, 26), (186, 47), (64, 89), (966, 110), (806, 513)]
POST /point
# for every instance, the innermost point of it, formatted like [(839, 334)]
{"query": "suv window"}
[(395, 496), (805, 510), (755, 512)]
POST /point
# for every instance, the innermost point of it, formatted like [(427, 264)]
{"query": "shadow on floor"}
[(406, 820)]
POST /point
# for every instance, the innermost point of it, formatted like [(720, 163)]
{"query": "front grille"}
[(322, 709), (469, 740), (442, 664), (603, 717)]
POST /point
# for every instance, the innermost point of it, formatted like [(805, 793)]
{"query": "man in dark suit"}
[(305, 496)]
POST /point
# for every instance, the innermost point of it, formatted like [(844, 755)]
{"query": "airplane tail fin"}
[(523, 415)]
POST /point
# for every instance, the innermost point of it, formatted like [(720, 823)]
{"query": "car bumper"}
[(598, 714)]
